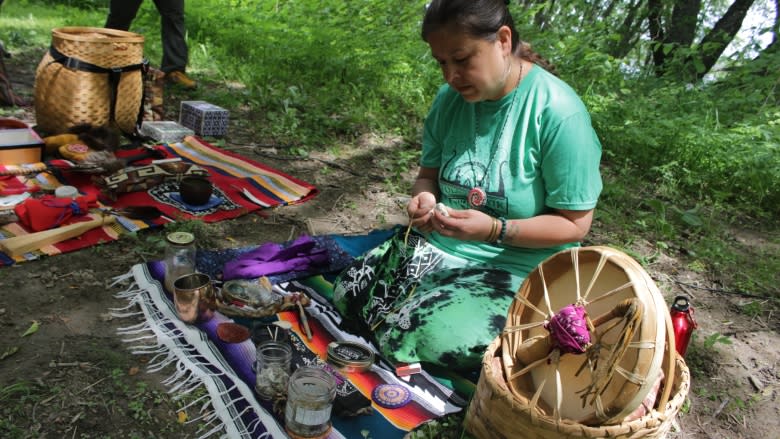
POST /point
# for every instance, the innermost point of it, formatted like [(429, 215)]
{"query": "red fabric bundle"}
[(10, 185), (49, 211)]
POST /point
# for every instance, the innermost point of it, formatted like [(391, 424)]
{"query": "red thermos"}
[(683, 323)]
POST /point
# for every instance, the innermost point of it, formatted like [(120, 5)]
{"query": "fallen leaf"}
[(133, 371), (10, 351), (32, 329)]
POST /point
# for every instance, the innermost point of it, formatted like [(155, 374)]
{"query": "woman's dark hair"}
[(479, 19)]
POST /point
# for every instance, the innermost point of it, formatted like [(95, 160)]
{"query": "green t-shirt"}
[(531, 151)]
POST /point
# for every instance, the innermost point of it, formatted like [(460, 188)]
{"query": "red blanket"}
[(241, 186)]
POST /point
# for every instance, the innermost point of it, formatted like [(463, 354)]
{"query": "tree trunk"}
[(776, 27), (719, 37), (680, 32), (682, 28), (656, 29), (629, 30)]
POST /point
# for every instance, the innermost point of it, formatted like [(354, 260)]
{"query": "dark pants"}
[(122, 12)]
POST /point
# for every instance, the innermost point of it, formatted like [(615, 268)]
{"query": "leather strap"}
[(114, 76)]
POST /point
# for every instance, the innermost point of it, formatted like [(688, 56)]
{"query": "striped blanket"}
[(241, 186), (202, 359)]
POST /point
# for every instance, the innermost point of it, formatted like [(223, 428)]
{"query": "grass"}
[(703, 236), (12, 398), (447, 427), (117, 392)]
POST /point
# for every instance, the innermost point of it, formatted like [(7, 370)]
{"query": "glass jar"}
[(272, 369), (277, 331), (179, 257), (310, 396)]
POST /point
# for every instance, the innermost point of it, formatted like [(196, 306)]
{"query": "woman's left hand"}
[(466, 225)]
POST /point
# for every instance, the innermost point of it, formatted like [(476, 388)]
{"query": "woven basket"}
[(528, 389), (65, 97), (494, 412)]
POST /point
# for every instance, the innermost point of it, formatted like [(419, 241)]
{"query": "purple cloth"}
[(569, 330), (272, 258)]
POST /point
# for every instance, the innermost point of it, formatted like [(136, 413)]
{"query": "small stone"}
[(757, 383), (232, 332)]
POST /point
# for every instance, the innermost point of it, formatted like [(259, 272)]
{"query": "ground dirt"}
[(75, 378)]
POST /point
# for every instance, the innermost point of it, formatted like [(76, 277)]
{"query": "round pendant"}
[(477, 197)]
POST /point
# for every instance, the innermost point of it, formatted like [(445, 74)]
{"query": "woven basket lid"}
[(601, 280)]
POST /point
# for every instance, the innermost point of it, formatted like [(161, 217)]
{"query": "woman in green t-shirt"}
[(512, 162)]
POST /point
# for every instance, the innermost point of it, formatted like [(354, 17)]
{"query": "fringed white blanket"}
[(230, 408), (169, 341)]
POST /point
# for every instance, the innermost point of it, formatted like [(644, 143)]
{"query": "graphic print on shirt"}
[(463, 169)]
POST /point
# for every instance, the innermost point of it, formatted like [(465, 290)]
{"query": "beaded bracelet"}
[(502, 233)]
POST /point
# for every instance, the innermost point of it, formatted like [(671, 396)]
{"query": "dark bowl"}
[(10, 123), (195, 191)]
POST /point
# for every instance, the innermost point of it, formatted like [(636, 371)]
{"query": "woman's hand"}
[(419, 210), (466, 225)]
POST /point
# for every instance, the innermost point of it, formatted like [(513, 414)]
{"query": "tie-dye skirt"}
[(421, 304)]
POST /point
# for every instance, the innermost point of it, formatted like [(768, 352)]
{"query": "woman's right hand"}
[(420, 208)]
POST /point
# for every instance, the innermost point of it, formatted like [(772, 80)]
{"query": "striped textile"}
[(241, 186), (226, 369)]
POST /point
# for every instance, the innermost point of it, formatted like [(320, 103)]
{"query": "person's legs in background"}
[(175, 51), (121, 13)]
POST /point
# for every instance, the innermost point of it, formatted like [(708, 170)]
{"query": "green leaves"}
[(34, 326)]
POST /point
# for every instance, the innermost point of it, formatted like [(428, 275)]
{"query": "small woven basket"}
[(495, 413), (65, 96)]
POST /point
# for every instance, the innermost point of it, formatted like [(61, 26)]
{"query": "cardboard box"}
[(19, 146), (166, 131), (204, 118)]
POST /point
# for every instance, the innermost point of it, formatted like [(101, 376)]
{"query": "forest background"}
[(683, 94)]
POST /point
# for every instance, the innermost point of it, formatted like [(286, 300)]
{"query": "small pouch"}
[(75, 152), (48, 212)]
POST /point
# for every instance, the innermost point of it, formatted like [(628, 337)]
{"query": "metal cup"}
[(193, 297)]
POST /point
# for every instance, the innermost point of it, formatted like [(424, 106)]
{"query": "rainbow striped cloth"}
[(241, 185), (225, 370)]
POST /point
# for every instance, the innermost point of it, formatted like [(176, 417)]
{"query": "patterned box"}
[(166, 131), (205, 118)]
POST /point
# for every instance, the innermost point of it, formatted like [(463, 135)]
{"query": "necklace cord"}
[(477, 196)]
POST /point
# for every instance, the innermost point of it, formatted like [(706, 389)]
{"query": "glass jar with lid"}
[(180, 254), (310, 396)]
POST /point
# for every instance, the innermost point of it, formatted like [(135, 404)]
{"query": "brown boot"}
[(180, 78)]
